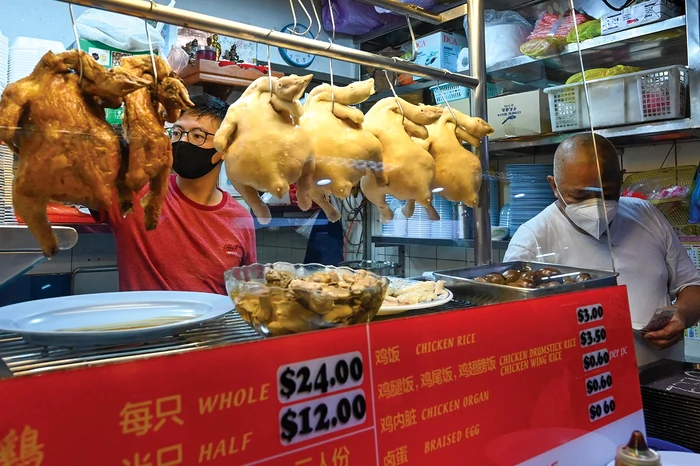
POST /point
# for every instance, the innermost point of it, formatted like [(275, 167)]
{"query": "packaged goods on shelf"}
[(587, 30), (650, 95), (524, 114), (439, 50), (638, 15), (550, 34)]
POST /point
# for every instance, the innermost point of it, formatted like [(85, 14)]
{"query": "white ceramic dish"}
[(675, 458), (86, 319), (385, 310)]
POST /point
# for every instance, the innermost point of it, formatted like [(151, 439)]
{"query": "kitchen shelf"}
[(622, 136), (389, 241), (642, 46), (19, 251)]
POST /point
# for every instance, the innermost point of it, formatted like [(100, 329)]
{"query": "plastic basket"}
[(454, 92), (650, 95)]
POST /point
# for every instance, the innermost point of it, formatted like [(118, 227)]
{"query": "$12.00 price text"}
[(319, 376), (323, 415)]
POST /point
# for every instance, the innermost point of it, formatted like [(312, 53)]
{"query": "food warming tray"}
[(461, 282)]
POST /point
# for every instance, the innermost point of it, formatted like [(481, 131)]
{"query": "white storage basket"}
[(650, 95)]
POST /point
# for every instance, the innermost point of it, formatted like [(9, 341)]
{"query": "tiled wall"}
[(281, 244)]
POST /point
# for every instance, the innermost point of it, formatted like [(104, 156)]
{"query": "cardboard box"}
[(108, 57), (639, 14), (439, 50), (524, 114)]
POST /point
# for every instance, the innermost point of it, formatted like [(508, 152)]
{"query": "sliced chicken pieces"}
[(265, 148), (409, 168)]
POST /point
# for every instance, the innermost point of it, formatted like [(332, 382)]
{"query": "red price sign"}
[(529, 382)]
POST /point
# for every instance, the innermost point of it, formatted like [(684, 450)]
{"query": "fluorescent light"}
[(438, 190), (520, 195), (323, 182)]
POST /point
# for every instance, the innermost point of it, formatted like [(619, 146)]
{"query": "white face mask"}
[(588, 215)]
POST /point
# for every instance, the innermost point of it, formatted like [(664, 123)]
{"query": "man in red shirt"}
[(202, 231)]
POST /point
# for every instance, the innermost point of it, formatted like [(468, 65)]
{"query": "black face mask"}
[(191, 162)]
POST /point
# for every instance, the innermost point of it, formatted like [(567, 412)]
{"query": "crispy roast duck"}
[(54, 121), (150, 150)]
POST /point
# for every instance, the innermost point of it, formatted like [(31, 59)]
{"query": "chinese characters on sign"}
[(21, 450)]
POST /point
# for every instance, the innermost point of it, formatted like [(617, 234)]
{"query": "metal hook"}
[(396, 97), (294, 16), (269, 69), (77, 42), (150, 49), (414, 44), (330, 60), (318, 20)]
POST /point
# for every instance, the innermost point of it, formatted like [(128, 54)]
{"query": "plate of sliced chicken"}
[(410, 295)]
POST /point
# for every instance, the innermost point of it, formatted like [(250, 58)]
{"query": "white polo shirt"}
[(648, 255)]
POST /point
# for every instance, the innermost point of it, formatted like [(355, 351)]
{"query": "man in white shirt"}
[(647, 254)]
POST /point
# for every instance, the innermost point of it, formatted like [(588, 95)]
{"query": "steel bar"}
[(190, 19), (477, 66), (406, 9)]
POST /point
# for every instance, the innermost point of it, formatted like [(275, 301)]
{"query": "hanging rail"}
[(152, 11)]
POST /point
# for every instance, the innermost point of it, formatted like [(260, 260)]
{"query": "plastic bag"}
[(695, 200), (587, 30), (178, 59), (424, 4), (537, 48), (505, 31), (600, 73), (119, 31), (354, 18)]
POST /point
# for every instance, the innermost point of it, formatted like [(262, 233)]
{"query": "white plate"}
[(64, 321), (675, 458), (402, 282)]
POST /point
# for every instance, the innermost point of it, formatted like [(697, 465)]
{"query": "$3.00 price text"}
[(321, 416), (590, 313), (315, 377)]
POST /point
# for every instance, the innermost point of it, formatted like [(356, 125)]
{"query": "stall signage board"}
[(551, 381)]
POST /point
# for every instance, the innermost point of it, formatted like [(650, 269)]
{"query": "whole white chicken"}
[(343, 151), (458, 172), (409, 168), (266, 149)]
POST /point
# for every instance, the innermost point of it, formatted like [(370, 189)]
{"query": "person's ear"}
[(218, 157), (553, 185)]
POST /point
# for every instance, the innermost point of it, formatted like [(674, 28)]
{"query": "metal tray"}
[(461, 283)]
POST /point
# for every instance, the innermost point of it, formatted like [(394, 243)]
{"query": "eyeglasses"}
[(196, 137)]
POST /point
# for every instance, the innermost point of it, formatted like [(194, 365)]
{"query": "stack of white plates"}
[(530, 192), (442, 229), (7, 212), (26, 52), (4, 59), (419, 225), (494, 201)]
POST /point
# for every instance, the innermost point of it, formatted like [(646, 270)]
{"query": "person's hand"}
[(671, 334)]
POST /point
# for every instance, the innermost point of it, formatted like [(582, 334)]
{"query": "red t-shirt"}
[(191, 248)]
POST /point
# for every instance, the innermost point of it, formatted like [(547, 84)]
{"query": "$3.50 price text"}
[(592, 336), (315, 377), (321, 416)]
